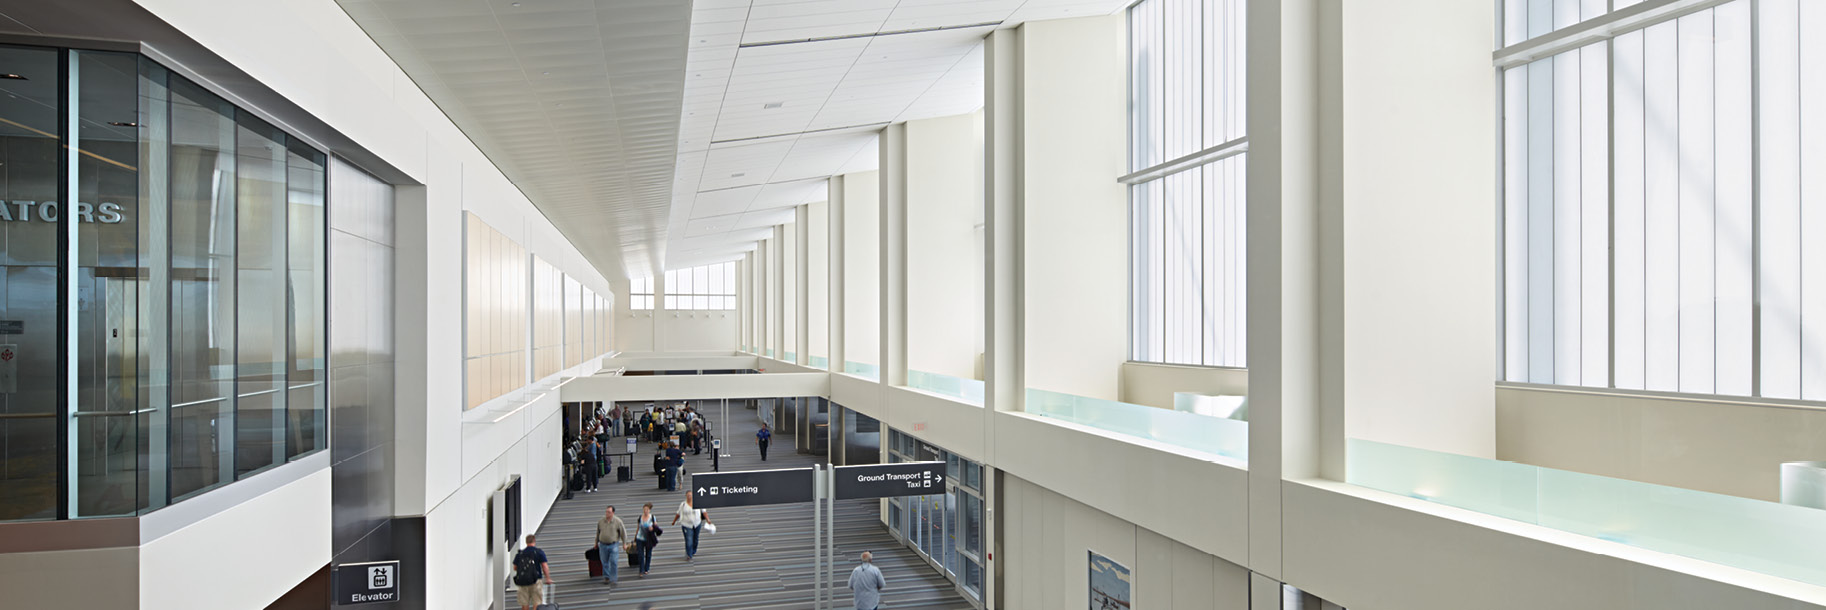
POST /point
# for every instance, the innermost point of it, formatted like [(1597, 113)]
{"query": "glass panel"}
[(1215, 435), (973, 524), (1782, 540), (860, 369), (970, 390), (202, 288), (307, 267), (260, 295), (28, 286), (109, 285)]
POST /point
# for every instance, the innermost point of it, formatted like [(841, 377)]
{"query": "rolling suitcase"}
[(551, 598), (634, 557), (595, 569), (624, 473)]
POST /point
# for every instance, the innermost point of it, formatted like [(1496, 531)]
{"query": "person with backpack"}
[(529, 568), (646, 536), (592, 463)]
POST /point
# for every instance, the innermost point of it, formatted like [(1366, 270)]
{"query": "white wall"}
[(1419, 209), (944, 246), (349, 83), (675, 331), (862, 267), (1073, 115), (253, 552), (1047, 540)]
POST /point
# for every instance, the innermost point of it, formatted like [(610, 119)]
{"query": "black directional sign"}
[(890, 480), (723, 489), (367, 583)]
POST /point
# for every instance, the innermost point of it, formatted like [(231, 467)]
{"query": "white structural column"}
[(802, 286), (817, 280), (789, 293), (776, 309), (742, 308), (893, 218), (1003, 279), (1004, 388), (835, 267), (1285, 165)]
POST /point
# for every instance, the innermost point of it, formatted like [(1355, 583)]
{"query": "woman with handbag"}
[(694, 522), (647, 537)]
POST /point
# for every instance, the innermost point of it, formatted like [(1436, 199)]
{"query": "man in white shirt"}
[(866, 583)]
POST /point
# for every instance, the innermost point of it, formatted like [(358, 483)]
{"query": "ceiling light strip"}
[(802, 133), (1206, 156), (772, 43)]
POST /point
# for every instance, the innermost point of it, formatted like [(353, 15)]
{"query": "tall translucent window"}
[(1186, 196), (706, 287), (640, 293), (1656, 200)]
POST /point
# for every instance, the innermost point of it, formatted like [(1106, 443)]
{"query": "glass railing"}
[(821, 363), (1775, 539), (769, 352), (859, 369), (1215, 435), (792, 357), (969, 390)]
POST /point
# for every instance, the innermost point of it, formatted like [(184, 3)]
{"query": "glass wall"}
[(709, 287), (1186, 195), (164, 334), (1656, 202), (946, 529)]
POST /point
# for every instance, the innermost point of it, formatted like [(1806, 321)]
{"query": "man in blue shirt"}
[(761, 438), (678, 460), (530, 565), (866, 583)]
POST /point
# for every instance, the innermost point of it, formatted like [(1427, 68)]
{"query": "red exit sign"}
[(921, 426)]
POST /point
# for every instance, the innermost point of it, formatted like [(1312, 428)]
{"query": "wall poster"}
[(1109, 584)]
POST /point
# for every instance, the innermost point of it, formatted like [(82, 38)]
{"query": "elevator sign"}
[(373, 582)]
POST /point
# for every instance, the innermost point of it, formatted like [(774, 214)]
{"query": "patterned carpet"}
[(759, 559)]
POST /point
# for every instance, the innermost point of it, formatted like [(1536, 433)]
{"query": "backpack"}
[(526, 568)]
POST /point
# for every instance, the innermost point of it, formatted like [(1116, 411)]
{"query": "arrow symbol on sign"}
[(700, 491)]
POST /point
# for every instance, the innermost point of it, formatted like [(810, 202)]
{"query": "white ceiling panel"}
[(658, 133)]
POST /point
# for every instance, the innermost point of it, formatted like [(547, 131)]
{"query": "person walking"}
[(646, 536), (529, 567), (866, 583), (697, 437), (592, 461), (692, 521), (611, 534), (761, 438), (676, 460)]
